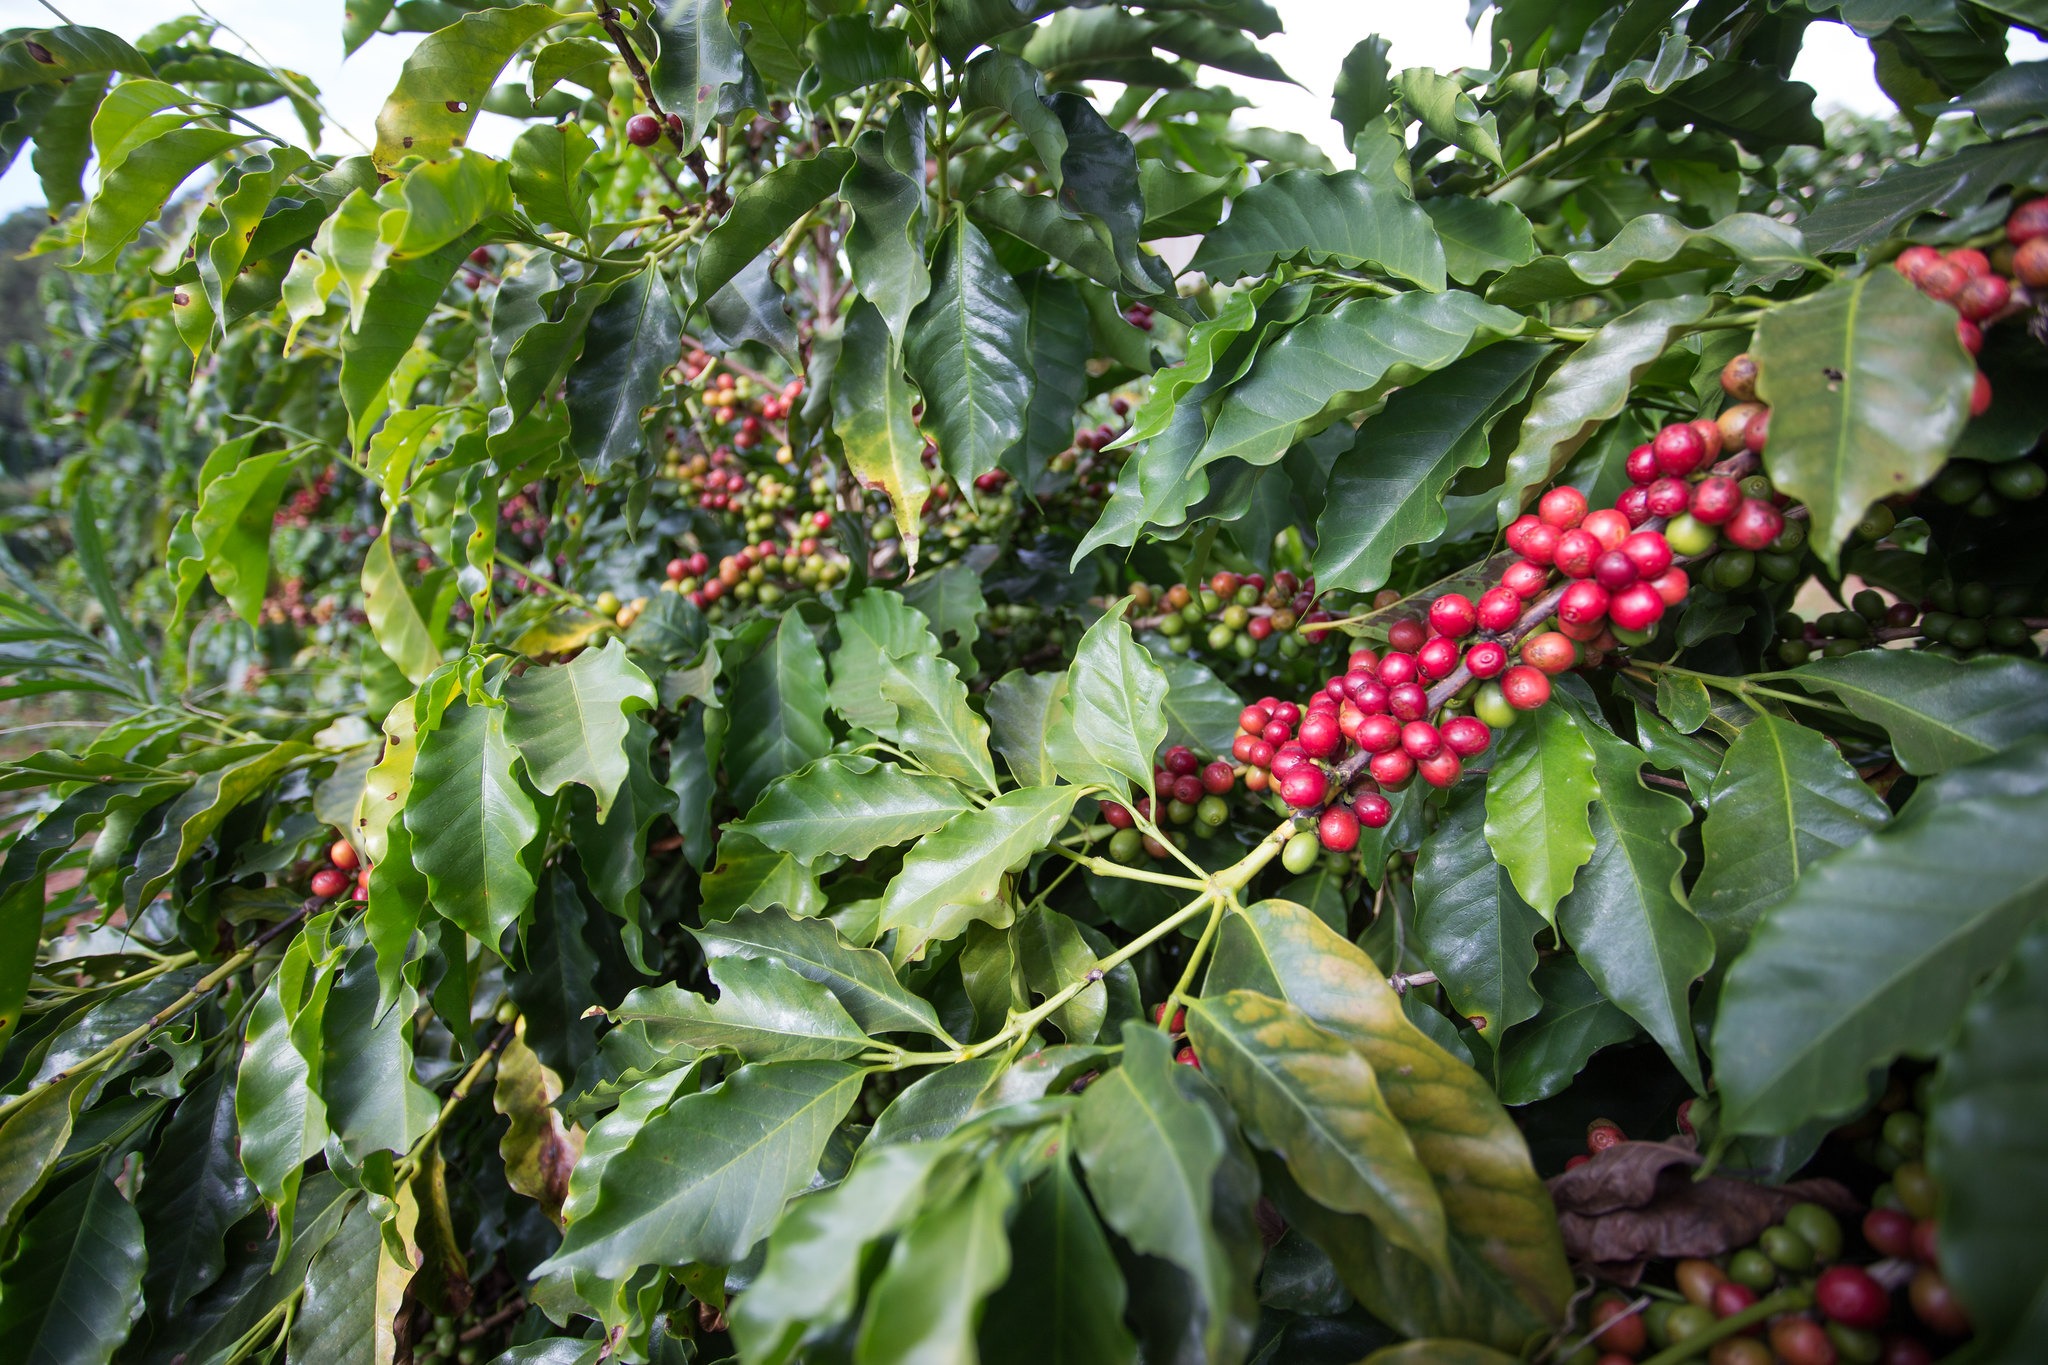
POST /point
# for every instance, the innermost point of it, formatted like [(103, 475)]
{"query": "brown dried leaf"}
[(539, 1150)]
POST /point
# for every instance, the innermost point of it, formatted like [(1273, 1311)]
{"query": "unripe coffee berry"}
[(1305, 786), (1755, 524), (1338, 830), (1734, 424), (1563, 507), (1300, 853), (1486, 659), (1490, 704), (1453, 614), (1738, 378), (1498, 609), (643, 130), (1438, 657), (1525, 688), (1466, 736), (1679, 449), (1582, 602)]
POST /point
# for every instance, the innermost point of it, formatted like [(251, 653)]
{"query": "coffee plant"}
[(900, 694)]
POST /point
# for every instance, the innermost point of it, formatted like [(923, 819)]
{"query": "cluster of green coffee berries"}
[(1986, 490), (1962, 621), (1233, 614), (443, 1345)]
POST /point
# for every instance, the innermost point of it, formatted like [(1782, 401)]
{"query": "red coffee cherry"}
[(328, 883), (1914, 260), (1618, 1329), (1374, 810), (1441, 769), (1420, 739), (1847, 1294), (1305, 786), (1407, 635), (1889, 1231), (1755, 525), (1649, 551), (1734, 424), (1679, 449), (342, 854), (1934, 1303), (1731, 1298), (1667, 497), (1710, 436), (1277, 731), (1338, 830), (1378, 734), (1466, 736), (1634, 503), (1498, 609), (643, 130), (1582, 602), (1241, 748), (1614, 571), (1186, 1057), (1187, 790), (1672, 585), (1320, 736), (1539, 543), (1576, 551), (1365, 692), (1738, 378), (1525, 579), (1218, 778), (1971, 261), (1982, 297), (1286, 712), (1438, 657), (1715, 498), (1943, 280), (1180, 760), (1362, 661), (1396, 669), (1642, 465), (1517, 529), (1392, 768), (1905, 1351), (1970, 334), (2028, 221), (1758, 433), (1486, 659), (1607, 526), (1801, 1341), (1925, 1247), (1115, 815), (1980, 396), (1563, 507), (1550, 651), (1525, 688), (1407, 701), (1253, 718), (1453, 614), (1286, 759)]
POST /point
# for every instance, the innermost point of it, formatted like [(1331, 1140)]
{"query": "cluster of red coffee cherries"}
[(1190, 793), (1970, 282), (343, 866), (304, 504), (1139, 315)]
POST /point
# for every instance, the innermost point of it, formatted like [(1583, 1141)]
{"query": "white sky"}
[(305, 36)]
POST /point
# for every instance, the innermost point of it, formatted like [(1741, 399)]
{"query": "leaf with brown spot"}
[(539, 1150)]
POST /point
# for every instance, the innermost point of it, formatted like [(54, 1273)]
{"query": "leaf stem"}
[(1550, 153), (410, 1164), (1103, 867)]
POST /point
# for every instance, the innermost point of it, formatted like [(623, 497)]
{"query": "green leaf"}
[(1200, 708), (398, 306), (280, 1120), (354, 1293), (765, 1012), (749, 875), (1753, 104), (1511, 1276), (1868, 388), (569, 720), (471, 820), (1051, 953), (701, 75), (812, 1274), (707, 1178), (951, 603), (1875, 950), (632, 338), (1386, 490), (850, 53), (73, 50), (884, 188), (195, 815), (967, 342), (764, 210), (1989, 1096), (1626, 916), (850, 805), (1036, 221), (871, 403), (64, 139), (197, 1190), (72, 1285), (1020, 708), (1336, 362), (1056, 347), (778, 709), (1591, 386), (774, 32), (1206, 344), (1940, 713), (954, 877), (752, 308), (1012, 86), (1099, 179), (1539, 796), (1070, 1310), (859, 977), (133, 192), (1152, 1152), (928, 1300), (1448, 113), (396, 623), (238, 497), (1863, 215), (888, 677), (1364, 87), (546, 170), (1784, 799), (1480, 237), (1540, 1058), (960, 26), (1305, 1095), (1111, 721), (1340, 217), (365, 1071), (446, 78), (35, 1135), (1656, 245), (1471, 927)]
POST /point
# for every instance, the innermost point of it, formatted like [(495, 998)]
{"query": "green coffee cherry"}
[(1818, 1228), (1179, 812), (1958, 483), (1877, 523), (1967, 634), (1787, 1248), (1301, 852), (2019, 481), (1491, 705), (1689, 536), (1212, 811), (1752, 1268), (1127, 846)]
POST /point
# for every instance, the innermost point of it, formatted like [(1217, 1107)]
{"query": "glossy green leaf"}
[(1938, 712), (885, 243), (1070, 1310), (76, 1274), (888, 677), (1304, 1094), (701, 74), (280, 1119), (1874, 951), (353, 1295), (1151, 1153), (859, 977), (238, 497), (1012, 86), (197, 1190), (1471, 927), (764, 210), (72, 51), (1207, 342), (1539, 795), (397, 307), (1591, 386), (1656, 245), (35, 1135), (1540, 1058), (1056, 343), (765, 1012), (954, 877), (1338, 218), (707, 1178), (133, 192), (546, 170), (778, 709), (1449, 113), (1989, 1096), (1752, 103), (1051, 954), (1627, 916), (812, 1274), (1386, 490), (1036, 221), (928, 1300), (951, 603), (471, 820), (1510, 1277), (569, 721), (446, 78), (1201, 710), (191, 819), (852, 52), (749, 875), (1099, 179), (632, 338), (1868, 388), (1784, 799), (1111, 720), (850, 805), (1020, 708), (365, 1073), (1852, 219), (871, 403), (1480, 237), (963, 348), (773, 33), (361, 20)]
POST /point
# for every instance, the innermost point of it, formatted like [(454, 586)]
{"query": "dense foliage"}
[(900, 695)]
